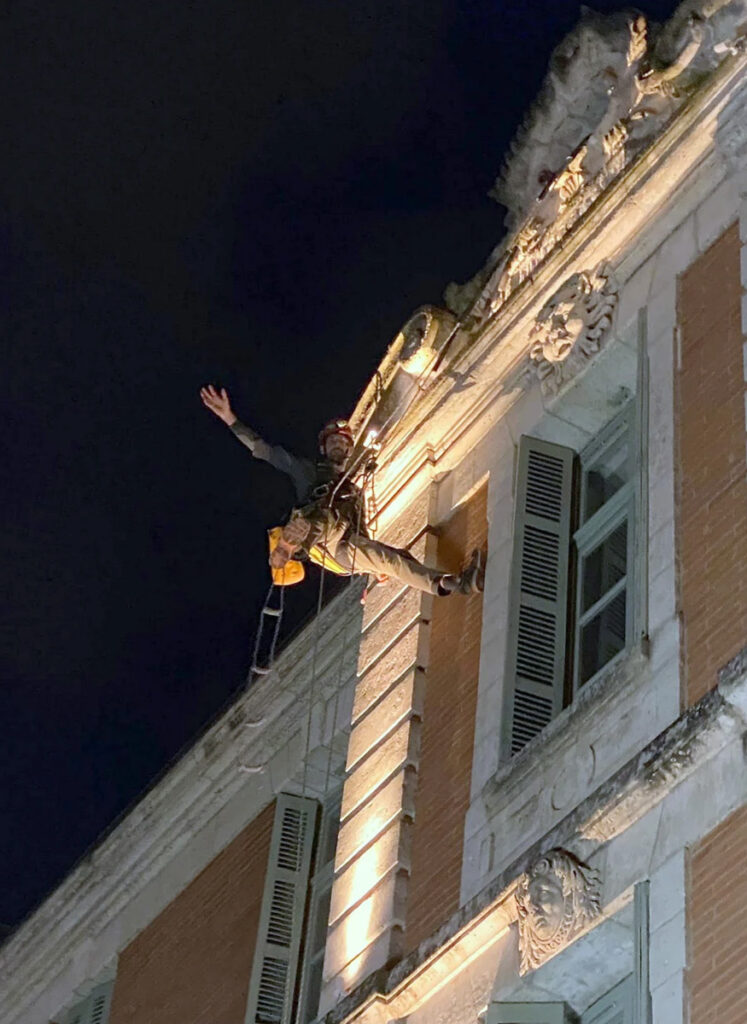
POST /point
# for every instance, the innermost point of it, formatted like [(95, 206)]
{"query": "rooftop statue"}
[(613, 84)]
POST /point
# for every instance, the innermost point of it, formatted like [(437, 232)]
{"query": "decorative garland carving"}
[(556, 898), (571, 328)]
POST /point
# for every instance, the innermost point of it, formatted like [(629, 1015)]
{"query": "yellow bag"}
[(293, 570)]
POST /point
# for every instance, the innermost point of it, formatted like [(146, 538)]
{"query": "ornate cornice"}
[(485, 368)]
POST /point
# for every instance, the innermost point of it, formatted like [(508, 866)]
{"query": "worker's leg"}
[(360, 554)]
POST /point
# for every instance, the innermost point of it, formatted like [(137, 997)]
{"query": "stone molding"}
[(707, 728), (486, 364), (731, 135), (63, 933)]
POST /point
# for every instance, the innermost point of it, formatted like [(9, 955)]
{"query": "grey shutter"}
[(273, 981), (530, 1013), (94, 1009), (615, 1007), (536, 655)]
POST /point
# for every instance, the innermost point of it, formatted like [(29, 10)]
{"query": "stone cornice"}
[(201, 783), (482, 369), (696, 737)]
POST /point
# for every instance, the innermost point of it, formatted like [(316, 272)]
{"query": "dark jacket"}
[(314, 482)]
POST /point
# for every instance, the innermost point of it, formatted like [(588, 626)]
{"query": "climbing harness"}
[(319, 554), (294, 572)]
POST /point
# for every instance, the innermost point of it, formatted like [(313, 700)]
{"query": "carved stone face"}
[(547, 903), (555, 899), (569, 328)]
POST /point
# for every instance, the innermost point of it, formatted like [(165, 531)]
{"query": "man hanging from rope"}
[(330, 511)]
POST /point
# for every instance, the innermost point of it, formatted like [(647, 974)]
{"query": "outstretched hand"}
[(218, 403)]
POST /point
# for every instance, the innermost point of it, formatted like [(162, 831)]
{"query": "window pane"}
[(319, 933), (314, 990), (606, 475), (603, 637), (604, 566)]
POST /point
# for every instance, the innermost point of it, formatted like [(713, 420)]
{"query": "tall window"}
[(602, 545), (570, 609), (289, 955), (319, 904)]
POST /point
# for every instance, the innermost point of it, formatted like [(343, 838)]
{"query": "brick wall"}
[(711, 487), (445, 767), (717, 925), (193, 962)]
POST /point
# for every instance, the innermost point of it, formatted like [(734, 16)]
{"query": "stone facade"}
[(596, 864)]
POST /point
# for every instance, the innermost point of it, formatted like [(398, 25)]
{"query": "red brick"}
[(710, 466), (194, 961), (445, 769)]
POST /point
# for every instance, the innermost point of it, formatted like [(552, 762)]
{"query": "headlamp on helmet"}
[(341, 427)]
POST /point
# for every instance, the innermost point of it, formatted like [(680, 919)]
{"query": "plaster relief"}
[(572, 327), (556, 899)]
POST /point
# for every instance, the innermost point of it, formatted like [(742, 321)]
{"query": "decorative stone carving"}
[(556, 899), (572, 326), (627, 95)]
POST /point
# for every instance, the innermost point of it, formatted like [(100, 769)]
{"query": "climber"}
[(330, 510)]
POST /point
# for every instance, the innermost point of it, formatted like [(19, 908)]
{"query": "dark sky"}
[(256, 194)]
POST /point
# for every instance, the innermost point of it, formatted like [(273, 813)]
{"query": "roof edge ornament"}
[(411, 364), (613, 85)]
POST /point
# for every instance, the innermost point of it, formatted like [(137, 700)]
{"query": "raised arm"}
[(301, 471)]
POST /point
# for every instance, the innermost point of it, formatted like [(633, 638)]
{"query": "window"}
[(603, 549), (94, 1009), (289, 956), (321, 894), (571, 596), (615, 1007), (272, 989)]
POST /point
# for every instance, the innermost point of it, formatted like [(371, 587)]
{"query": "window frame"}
[(320, 886), (620, 508)]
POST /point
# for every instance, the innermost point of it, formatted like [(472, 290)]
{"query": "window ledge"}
[(624, 673)]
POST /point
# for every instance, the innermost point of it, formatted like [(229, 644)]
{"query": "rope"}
[(313, 661), (335, 705)]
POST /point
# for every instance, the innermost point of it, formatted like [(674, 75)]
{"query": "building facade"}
[(526, 805)]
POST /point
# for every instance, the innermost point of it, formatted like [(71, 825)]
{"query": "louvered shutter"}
[(273, 981), (536, 655), (95, 1008), (615, 1007)]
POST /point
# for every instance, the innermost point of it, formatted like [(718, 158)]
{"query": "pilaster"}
[(369, 894)]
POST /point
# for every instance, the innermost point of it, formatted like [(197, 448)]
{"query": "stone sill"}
[(629, 670)]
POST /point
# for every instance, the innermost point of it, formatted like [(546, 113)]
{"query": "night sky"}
[(253, 194)]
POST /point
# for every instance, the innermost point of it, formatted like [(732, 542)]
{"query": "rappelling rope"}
[(336, 699)]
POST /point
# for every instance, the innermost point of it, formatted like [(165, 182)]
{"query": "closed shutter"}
[(615, 1007), (273, 981), (95, 1008), (536, 655)]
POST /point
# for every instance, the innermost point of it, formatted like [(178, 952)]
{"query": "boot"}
[(471, 580)]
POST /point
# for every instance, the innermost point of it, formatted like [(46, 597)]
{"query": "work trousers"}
[(360, 554)]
